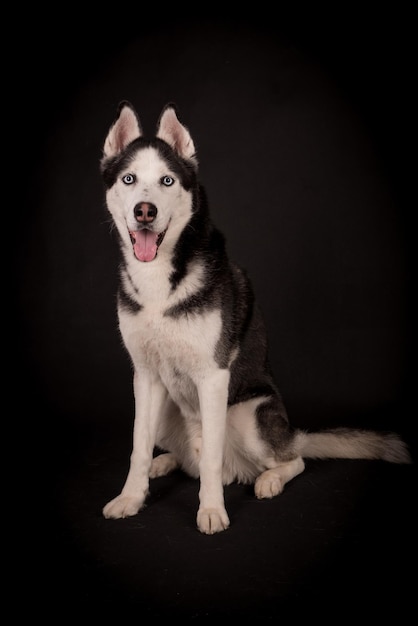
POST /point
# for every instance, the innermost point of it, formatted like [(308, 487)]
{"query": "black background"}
[(303, 126)]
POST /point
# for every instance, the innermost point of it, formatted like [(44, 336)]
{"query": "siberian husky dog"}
[(204, 393)]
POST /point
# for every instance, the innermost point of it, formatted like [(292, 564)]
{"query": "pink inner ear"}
[(124, 135), (177, 139), (175, 134), (168, 128)]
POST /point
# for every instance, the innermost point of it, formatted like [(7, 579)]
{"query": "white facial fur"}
[(148, 170)]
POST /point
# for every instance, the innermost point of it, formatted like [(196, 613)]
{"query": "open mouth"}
[(146, 243)]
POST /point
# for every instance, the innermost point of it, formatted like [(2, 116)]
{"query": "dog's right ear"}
[(124, 129)]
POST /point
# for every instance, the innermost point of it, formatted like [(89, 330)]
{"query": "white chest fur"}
[(180, 349)]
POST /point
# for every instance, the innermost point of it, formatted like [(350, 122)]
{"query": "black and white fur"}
[(204, 393)]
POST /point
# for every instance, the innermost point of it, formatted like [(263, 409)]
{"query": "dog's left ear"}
[(170, 130)]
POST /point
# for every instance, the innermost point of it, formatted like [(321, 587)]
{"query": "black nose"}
[(145, 212)]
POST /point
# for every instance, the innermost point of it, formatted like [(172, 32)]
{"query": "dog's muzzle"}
[(145, 240)]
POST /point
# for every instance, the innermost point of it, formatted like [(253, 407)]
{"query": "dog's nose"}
[(145, 212)]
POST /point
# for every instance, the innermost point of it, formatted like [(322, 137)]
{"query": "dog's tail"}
[(350, 443)]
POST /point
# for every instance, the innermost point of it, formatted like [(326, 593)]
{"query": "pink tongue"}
[(145, 245)]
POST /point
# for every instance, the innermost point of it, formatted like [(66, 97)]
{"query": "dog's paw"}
[(163, 464), (122, 506), (211, 521), (268, 485)]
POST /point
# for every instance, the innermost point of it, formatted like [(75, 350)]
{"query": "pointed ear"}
[(125, 129), (175, 134)]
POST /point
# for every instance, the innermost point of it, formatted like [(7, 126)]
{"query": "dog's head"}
[(149, 182)]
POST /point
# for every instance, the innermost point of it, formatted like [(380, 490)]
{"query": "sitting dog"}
[(204, 393)]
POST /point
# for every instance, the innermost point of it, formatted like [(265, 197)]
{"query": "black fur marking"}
[(127, 303), (213, 260), (237, 309), (244, 326), (274, 428), (201, 241), (183, 170), (196, 303), (198, 240)]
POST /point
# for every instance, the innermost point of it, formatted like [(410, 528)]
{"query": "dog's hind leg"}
[(268, 461), (163, 464), (272, 481), (173, 439)]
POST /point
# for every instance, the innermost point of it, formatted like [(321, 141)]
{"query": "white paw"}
[(268, 485), (162, 465), (211, 521), (122, 506)]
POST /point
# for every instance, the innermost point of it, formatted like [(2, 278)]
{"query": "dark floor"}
[(341, 538)]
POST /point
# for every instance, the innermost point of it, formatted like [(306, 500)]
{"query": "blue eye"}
[(129, 179), (167, 181)]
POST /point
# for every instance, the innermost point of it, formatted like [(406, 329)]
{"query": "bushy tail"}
[(350, 443)]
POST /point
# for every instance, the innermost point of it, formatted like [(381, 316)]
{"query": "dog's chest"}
[(175, 347), (181, 351), (176, 342)]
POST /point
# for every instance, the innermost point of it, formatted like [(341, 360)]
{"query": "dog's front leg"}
[(150, 395), (213, 397)]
